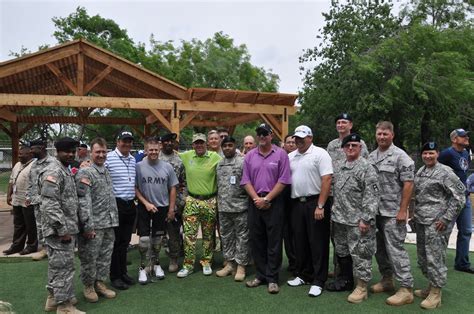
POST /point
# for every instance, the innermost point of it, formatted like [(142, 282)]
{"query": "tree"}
[(416, 75), (331, 86)]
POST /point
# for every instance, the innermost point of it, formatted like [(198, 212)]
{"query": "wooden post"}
[(15, 142), (175, 120), (284, 124), (147, 130)]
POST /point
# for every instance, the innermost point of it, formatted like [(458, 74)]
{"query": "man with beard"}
[(175, 241), (98, 216), (232, 201), (156, 191), (59, 208), (23, 216), (265, 175), (38, 149)]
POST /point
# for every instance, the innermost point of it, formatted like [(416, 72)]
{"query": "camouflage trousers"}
[(198, 212), (175, 240), (391, 255), (234, 233), (349, 241), (431, 248), (95, 255), (60, 268), (39, 228)]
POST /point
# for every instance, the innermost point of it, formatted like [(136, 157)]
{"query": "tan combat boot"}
[(38, 256), (385, 285), (240, 274), (173, 266), (102, 290), (50, 303), (90, 294), (423, 293), (433, 300), (68, 308), (360, 292), (226, 271), (402, 297)]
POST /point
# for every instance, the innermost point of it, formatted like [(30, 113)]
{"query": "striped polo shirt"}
[(122, 171)]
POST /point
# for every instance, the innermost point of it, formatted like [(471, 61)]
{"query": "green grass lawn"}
[(22, 283)]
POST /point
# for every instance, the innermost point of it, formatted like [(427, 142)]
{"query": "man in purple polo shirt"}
[(265, 174)]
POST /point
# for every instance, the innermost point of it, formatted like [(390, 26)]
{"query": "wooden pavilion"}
[(85, 77)]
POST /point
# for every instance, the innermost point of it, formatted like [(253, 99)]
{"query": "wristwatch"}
[(265, 199), (320, 206)]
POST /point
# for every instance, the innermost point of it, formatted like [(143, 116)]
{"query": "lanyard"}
[(125, 164)]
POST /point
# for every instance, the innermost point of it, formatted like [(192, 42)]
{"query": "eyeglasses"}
[(263, 134), (223, 136), (349, 145)]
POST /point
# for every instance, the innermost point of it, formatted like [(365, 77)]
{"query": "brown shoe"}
[(254, 283), (273, 288), (102, 290), (38, 256), (90, 294), (240, 274)]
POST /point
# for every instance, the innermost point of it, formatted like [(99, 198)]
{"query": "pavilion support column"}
[(284, 123), (175, 120), (15, 137)]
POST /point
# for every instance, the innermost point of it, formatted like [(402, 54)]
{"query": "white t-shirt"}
[(307, 170)]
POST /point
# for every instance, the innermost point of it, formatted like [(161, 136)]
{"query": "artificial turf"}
[(22, 283)]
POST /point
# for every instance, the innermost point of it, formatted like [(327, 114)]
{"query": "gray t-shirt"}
[(155, 181)]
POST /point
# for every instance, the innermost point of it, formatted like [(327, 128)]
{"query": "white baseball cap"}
[(303, 131)]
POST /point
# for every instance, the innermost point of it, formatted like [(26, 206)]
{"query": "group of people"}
[(257, 199)]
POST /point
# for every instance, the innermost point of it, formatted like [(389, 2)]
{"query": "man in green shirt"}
[(201, 204)]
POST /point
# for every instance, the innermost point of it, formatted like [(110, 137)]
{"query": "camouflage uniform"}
[(59, 209), (175, 242), (232, 201), (97, 212), (394, 167), (356, 197), (439, 195), (33, 195)]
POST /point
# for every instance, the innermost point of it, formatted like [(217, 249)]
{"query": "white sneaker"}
[(296, 282), (207, 270), (315, 291), (159, 273), (184, 272), (142, 276)]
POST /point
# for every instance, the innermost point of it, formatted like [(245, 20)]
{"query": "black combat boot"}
[(345, 280)]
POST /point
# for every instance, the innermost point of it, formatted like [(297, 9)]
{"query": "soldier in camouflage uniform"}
[(59, 209), (343, 126), (356, 196), (232, 202), (38, 149), (175, 240), (439, 198), (98, 215), (396, 173)]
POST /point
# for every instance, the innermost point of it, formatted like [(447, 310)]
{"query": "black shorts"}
[(151, 221)]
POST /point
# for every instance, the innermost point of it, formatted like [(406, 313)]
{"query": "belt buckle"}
[(303, 199)]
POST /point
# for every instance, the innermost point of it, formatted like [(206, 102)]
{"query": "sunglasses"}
[(264, 133), (349, 145)]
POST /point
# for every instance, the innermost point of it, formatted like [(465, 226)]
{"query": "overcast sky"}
[(275, 32)]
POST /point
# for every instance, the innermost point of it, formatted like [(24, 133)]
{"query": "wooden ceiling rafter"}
[(62, 77)]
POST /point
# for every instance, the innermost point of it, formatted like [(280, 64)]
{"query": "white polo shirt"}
[(307, 170)]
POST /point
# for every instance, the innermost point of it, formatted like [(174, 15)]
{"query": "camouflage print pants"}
[(95, 255), (39, 229), (235, 237), (391, 255), (60, 268), (198, 212), (431, 248), (349, 241), (175, 241)]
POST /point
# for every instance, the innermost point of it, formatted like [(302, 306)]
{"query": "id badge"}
[(14, 188), (232, 180)]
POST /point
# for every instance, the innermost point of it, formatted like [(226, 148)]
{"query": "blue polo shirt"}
[(458, 161)]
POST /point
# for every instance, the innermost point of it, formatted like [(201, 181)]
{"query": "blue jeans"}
[(464, 224)]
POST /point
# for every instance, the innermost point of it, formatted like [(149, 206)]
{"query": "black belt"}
[(262, 194), (202, 197), (305, 199), (124, 201)]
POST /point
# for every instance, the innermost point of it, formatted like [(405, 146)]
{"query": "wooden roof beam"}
[(80, 74), (275, 126), (6, 130), (62, 77), (27, 100), (161, 118), (97, 79), (7, 115), (80, 120), (187, 119)]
